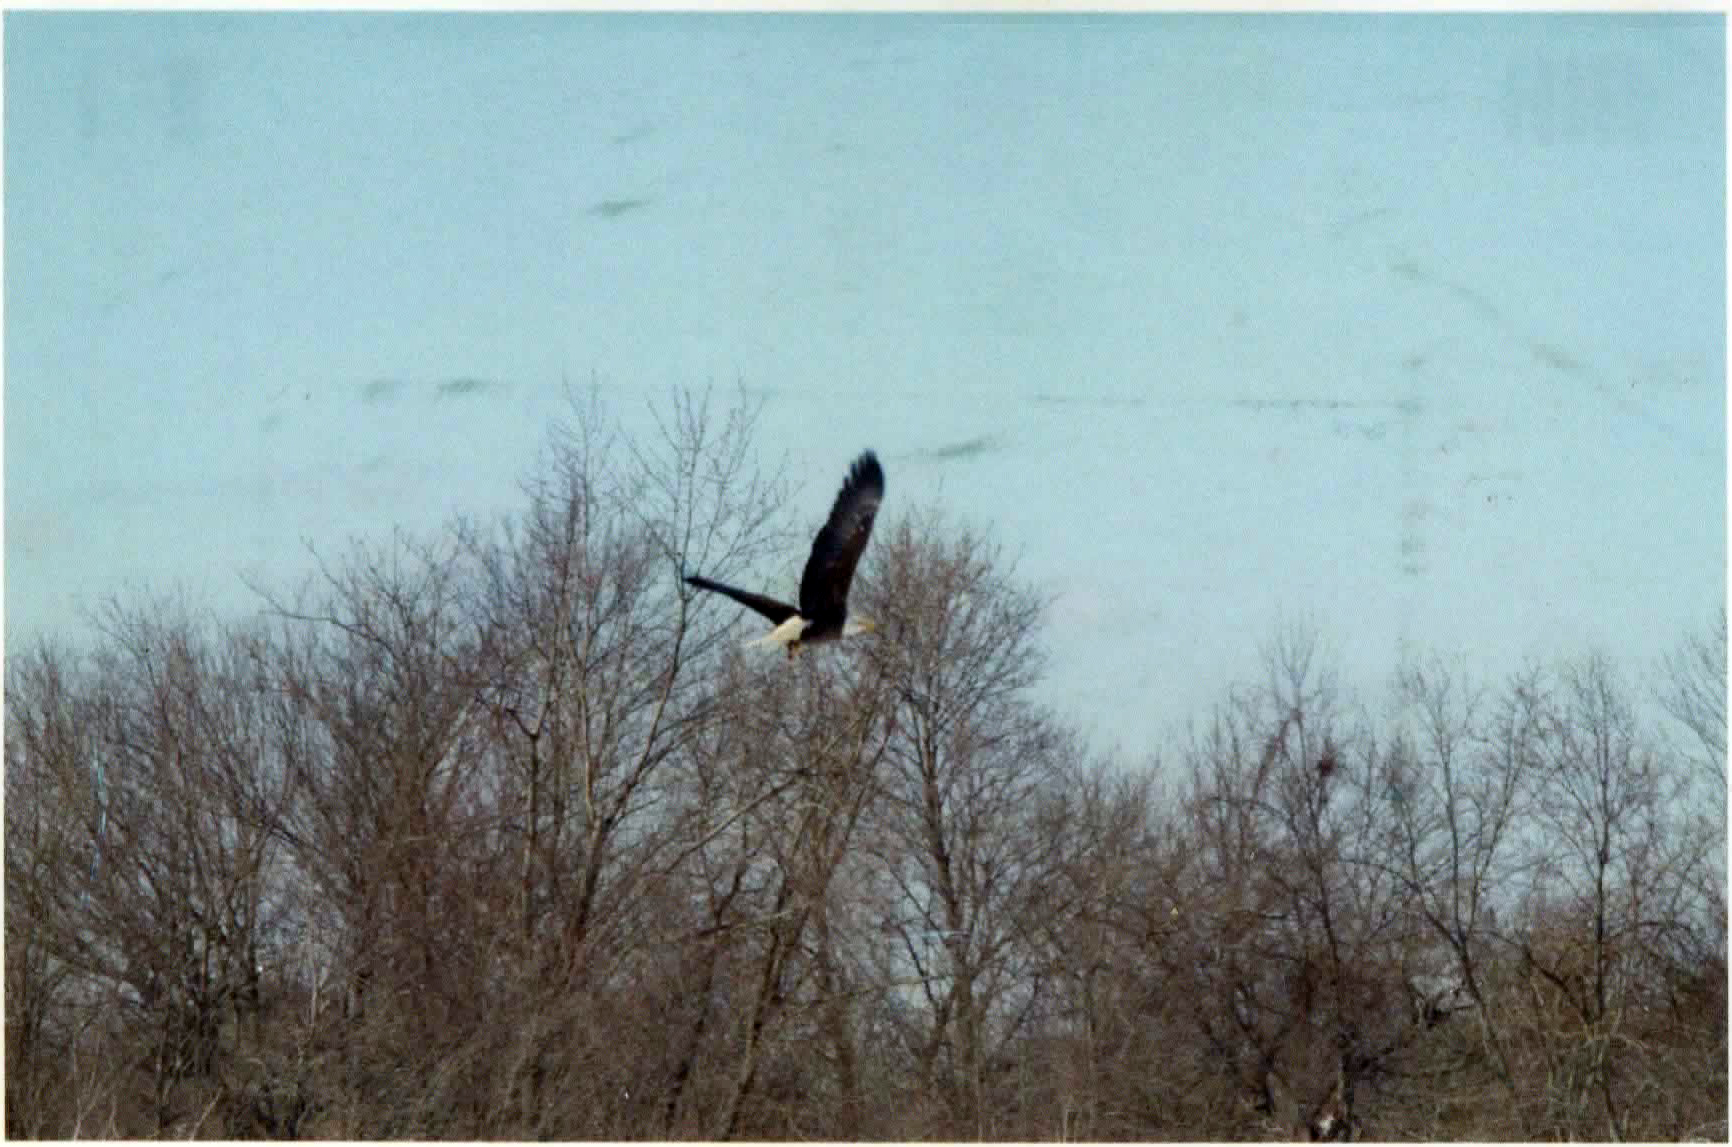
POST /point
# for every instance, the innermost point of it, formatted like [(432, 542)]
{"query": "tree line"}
[(500, 834)]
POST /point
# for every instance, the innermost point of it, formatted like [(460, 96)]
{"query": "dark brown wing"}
[(836, 550), (776, 611)]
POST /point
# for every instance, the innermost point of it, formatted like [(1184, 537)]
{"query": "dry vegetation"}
[(500, 835)]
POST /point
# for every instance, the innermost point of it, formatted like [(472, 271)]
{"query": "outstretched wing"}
[(776, 611), (836, 550)]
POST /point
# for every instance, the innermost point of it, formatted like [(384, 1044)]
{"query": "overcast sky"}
[(1414, 326)]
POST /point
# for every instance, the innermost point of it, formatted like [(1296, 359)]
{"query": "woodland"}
[(501, 834)]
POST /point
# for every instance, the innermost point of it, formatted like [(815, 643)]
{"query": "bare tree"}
[(1295, 939), (1693, 692), (54, 821), (958, 840), (594, 674), (1613, 907), (498, 833), (1106, 1012), (142, 852), (1455, 776), (824, 728)]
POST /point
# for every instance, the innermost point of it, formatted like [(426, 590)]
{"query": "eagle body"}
[(822, 615)]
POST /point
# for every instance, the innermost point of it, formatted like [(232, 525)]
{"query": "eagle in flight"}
[(822, 614)]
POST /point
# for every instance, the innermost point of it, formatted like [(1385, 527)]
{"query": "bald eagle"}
[(822, 614)]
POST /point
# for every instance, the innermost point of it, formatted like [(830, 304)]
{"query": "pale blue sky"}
[(1414, 325)]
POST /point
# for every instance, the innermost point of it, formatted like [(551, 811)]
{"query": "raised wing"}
[(776, 611), (837, 549)]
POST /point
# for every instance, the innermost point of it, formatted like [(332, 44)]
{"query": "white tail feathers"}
[(782, 636)]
